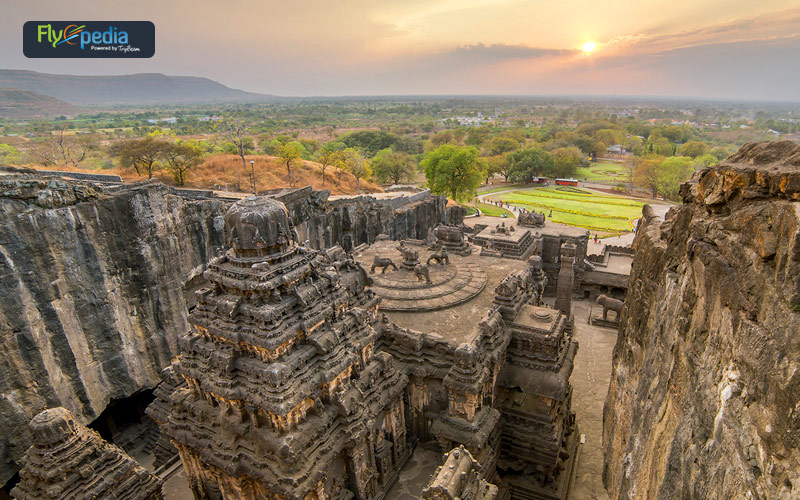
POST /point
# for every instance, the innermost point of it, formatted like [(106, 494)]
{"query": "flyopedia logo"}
[(88, 39)]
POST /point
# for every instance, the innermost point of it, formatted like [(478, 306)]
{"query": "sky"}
[(722, 49)]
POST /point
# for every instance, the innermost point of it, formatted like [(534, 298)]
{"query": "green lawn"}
[(470, 210), (500, 188), (492, 210), (603, 172), (578, 207)]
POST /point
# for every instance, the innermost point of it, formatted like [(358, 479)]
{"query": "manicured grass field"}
[(603, 172), (487, 190), (578, 207), (470, 210), (492, 210)]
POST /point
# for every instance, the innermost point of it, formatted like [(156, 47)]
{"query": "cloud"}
[(499, 52)]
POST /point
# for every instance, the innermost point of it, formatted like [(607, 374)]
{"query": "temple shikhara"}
[(294, 382), (284, 393)]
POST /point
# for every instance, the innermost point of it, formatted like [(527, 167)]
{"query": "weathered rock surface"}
[(91, 294), (704, 399), (70, 461), (93, 282), (350, 222)]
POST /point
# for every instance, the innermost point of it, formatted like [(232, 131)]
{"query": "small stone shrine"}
[(460, 477), (67, 460)]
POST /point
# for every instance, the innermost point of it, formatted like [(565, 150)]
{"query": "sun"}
[(589, 47)]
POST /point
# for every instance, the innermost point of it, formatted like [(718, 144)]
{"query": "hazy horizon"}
[(721, 50)]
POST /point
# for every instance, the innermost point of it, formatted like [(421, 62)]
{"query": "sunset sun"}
[(588, 47)]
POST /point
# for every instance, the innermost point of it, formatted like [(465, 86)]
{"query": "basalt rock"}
[(69, 461), (91, 294), (283, 394), (703, 399)]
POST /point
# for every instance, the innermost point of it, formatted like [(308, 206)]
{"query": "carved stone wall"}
[(285, 395)]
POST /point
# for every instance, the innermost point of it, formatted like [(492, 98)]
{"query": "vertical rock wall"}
[(704, 399), (92, 280), (91, 294)]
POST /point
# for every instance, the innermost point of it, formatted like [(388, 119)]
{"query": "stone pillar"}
[(566, 277)]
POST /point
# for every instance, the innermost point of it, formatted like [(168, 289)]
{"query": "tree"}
[(500, 164), (567, 160), (357, 165), (478, 135), (9, 155), (182, 157), (453, 170), (143, 155), (673, 172), (693, 149), (288, 153), (235, 130), (529, 163), (61, 149), (646, 173), (331, 155), (394, 166), (500, 144)]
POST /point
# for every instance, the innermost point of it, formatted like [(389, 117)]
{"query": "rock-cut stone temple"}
[(283, 393)]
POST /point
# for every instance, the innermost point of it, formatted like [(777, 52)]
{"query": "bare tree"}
[(61, 149), (235, 130)]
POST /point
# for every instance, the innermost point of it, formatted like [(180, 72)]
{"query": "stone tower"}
[(566, 279), (66, 460), (283, 395)]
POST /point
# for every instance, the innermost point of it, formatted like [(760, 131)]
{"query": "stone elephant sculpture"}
[(383, 262), (610, 304)]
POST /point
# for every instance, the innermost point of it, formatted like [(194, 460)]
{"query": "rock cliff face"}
[(350, 222), (93, 282), (91, 294), (704, 399)]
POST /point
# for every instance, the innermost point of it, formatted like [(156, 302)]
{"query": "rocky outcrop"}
[(353, 221), (95, 281), (91, 294), (703, 399)]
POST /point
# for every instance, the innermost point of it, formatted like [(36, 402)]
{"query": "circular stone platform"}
[(451, 284)]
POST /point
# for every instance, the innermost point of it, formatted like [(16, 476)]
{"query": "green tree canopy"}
[(392, 166), (9, 155), (181, 157), (289, 153), (453, 171), (529, 163), (357, 165), (693, 149), (500, 144)]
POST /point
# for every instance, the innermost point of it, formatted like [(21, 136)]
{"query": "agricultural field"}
[(603, 172), (578, 207)]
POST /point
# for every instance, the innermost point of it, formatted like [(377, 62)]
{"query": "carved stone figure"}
[(421, 271), (440, 256), (383, 262), (410, 255), (610, 303), (531, 219), (538, 279)]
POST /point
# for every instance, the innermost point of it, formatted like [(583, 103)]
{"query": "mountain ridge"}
[(17, 103), (130, 89)]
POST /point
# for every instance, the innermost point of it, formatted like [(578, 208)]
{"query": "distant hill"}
[(16, 103), (140, 88)]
